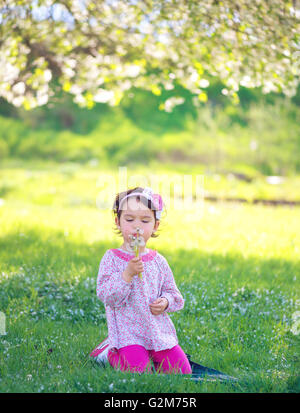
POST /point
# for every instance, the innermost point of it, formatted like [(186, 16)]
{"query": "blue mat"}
[(200, 372)]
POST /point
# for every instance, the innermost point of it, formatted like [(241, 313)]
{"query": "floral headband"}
[(147, 193)]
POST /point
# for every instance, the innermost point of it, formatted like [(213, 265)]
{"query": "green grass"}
[(236, 265), (56, 184)]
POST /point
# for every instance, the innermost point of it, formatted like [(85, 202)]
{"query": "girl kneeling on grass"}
[(139, 291)]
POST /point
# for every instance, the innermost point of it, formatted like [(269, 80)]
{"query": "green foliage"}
[(262, 133)]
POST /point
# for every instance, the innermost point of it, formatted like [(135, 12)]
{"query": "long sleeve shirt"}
[(129, 319)]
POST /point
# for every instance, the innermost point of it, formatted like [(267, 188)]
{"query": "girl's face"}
[(136, 215)]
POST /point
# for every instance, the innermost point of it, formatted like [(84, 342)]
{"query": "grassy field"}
[(237, 266)]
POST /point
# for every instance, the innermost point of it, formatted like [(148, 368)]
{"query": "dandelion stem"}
[(137, 254)]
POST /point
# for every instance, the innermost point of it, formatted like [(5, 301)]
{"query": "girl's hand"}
[(134, 267), (158, 306)]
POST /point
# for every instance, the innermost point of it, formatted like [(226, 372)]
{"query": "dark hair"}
[(121, 195)]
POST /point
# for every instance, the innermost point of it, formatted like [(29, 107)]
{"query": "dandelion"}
[(137, 241)]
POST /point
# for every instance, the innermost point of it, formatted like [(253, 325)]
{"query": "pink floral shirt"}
[(128, 314)]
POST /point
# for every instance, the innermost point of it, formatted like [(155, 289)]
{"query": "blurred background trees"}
[(211, 84)]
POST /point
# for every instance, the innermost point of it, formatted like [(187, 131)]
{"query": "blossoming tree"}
[(96, 50)]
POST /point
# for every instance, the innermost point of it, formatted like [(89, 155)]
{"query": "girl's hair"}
[(147, 202)]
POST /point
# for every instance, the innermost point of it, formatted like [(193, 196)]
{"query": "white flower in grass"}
[(295, 329)]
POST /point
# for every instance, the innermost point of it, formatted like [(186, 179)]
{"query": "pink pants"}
[(136, 358)]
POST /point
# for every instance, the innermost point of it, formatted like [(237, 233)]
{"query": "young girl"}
[(139, 327)]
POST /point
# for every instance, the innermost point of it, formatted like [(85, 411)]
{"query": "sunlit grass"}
[(236, 265), (67, 184)]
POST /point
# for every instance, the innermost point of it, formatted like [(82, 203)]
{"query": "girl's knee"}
[(183, 361), (173, 360), (178, 366), (126, 359)]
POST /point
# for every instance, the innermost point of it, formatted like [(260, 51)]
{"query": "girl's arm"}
[(112, 289), (170, 290)]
